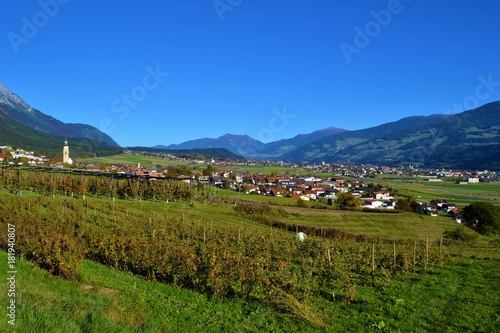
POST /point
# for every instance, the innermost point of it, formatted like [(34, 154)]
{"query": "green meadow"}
[(460, 194), (457, 291), (459, 295), (152, 161)]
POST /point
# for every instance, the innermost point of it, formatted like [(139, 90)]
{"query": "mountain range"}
[(13, 107), (254, 149), (24, 126), (469, 140)]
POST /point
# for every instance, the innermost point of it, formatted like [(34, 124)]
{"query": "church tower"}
[(66, 158)]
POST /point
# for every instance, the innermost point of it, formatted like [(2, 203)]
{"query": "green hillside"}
[(326, 149), (144, 266), (469, 139), (16, 134), (195, 153)]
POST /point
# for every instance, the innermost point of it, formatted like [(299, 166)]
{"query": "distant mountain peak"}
[(330, 129), (7, 97), (21, 112), (234, 136)]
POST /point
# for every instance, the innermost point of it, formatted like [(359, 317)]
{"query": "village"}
[(222, 174)]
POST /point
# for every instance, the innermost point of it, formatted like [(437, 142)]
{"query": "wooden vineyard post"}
[(441, 247), (239, 231), (414, 255), (331, 278), (395, 257), (373, 264), (426, 252)]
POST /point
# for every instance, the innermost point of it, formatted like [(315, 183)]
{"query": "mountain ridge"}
[(14, 106), (457, 140), (464, 138), (243, 144), (24, 126), (470, 138)]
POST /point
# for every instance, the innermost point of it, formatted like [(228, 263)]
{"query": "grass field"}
[(106, 300), (456, 193), (150, 161), (131, 159), (461, 296)]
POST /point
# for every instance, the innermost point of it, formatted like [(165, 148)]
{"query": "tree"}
[(484, 217), (348, 200), (409, 204), (208, 171), (403, 205)]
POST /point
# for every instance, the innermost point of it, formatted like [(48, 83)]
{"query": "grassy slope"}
[(106, 300), (392, 226), (462, 296)]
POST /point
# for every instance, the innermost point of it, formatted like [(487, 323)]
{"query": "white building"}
[(66, 158)]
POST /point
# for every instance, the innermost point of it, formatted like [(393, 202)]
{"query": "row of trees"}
[(52, 184)]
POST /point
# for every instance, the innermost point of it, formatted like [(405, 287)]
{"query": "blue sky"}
[(162, 72)]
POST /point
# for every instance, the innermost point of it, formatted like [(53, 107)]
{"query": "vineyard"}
[(247, 252)]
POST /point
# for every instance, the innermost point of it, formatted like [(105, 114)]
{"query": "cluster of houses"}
[(436, 206), (303, 188), (20, 156)]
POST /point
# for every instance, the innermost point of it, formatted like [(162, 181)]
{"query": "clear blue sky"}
[(269, 69)]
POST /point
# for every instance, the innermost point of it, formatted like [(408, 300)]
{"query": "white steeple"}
[(66, 158)]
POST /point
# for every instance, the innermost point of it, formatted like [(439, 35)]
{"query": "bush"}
[(301, 203), (495, 242), (461, 234), (484, 217)]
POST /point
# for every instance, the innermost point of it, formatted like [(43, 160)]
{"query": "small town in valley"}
[(309, 184)]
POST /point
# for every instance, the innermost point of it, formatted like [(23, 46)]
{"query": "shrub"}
[(461, 234), (484, 217)]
